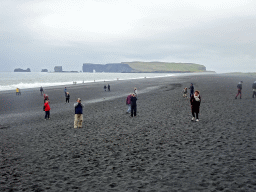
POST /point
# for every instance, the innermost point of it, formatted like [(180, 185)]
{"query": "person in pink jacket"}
[(128, 102), (47, 109)]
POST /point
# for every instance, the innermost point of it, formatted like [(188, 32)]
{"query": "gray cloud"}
[(222, 40)]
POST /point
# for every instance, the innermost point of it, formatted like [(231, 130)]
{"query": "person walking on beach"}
[(105, 87), (41, 90), (67, 97), (65, 91), (254, 89), (239, 89), (128, 102), (133, 105), (108, 87), (195, 101), (47, 110), (78, 114), (18, 91), (185, 90), (191, 89)]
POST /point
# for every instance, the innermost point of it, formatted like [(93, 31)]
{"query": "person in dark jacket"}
[(78, 114), (195, 101), (239, 89), (47, 110), (133, 105), (108, 87), (128, 102), (191, 89), (67, 97), (254, 89), (41, 90), (105, 87), (65, 91)]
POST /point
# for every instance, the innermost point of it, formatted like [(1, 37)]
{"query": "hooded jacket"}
[(128, 100), (195, 104), (47, 107), (239, 85), (254, 85), (78, 108)]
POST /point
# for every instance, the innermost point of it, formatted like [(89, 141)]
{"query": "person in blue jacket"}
[(78, 114), (133, 105), (191, 89)]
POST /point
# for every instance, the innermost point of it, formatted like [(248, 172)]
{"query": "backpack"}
[(254, 86)]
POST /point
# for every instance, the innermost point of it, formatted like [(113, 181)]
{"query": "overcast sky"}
[(219, 34)]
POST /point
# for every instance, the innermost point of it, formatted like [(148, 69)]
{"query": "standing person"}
[(108, 87), (41, 90), (133, 105), (65, 91), (135, 92), (185, 90), (67, 97), (46, 97), (191, 89), (17, 91), (128, 102), (47, 109), (105, 87), (254, 89), (239, 89), (195, 101), (78, 114)]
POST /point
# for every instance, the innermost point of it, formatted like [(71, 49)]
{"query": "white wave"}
[(31, 85), (59, 82)]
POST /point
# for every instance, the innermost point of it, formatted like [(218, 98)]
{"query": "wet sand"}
[(159, 150)]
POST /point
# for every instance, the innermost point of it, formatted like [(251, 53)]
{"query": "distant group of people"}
[(131, 102), (239, 89), (105, 87)]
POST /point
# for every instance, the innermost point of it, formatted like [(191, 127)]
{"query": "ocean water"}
[(24, 80)]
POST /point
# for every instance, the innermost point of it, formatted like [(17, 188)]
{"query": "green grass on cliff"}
[(162, 67)]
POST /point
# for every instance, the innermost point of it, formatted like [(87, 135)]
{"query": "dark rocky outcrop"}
[(44, 70), (22, 70)]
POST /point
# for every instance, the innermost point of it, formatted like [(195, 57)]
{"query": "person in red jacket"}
[(47, 109)]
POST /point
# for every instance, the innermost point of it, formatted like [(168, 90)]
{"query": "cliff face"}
[(111, 68), (144, 67)]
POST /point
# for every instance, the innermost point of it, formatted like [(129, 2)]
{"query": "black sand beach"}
[(159, 150)]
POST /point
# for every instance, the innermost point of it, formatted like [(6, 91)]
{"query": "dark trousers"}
[(67, 100), (133, 110), (253, 94), (41, 92), (191, 93), (47, 114), (18, 93), (195, 113), (239, 92)]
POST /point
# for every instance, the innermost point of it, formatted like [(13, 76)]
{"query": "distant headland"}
[(144, 67), (22, 70)]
